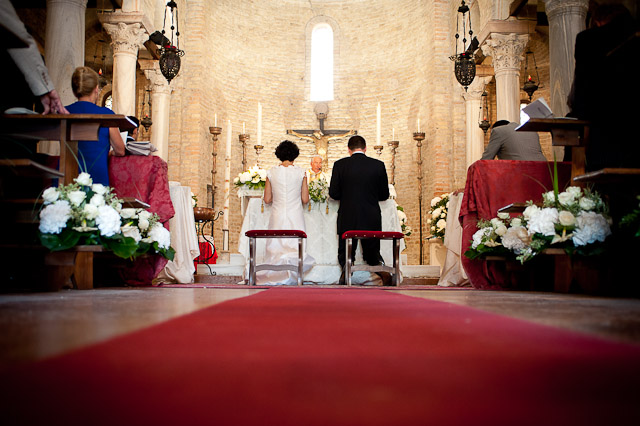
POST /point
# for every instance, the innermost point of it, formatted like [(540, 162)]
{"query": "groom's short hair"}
[(356, 142)]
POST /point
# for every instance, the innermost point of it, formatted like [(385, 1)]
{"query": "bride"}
[(286, 190)]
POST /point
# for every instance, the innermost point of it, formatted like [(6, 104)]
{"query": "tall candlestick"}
[(259, 123), (378, 125), (215, 120), (227, 178), (418, 125)]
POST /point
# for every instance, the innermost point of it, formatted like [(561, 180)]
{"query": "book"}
[(538, 109), (140, 147), (19, 110)]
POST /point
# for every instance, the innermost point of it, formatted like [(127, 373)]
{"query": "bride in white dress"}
[(286, 190)]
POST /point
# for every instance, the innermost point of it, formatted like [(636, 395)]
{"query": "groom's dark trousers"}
[(359, 183)]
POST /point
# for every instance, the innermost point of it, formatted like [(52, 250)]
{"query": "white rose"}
[(441, 224), (549, 197), (131, 232), (245, 177), (144, 215), (143, 224), (516, 222), (84, 179), (531, 211), (99, 188), (574, 190), (504, 216), (566, 218), (263, 174), (566, 198), (495, 222), (97, 200), (436, 213), (587, 203), (77, 197), (501, 230), (128, 213), (435, 201), (90, 211), (401, 215), (50, 195), (236, 180)]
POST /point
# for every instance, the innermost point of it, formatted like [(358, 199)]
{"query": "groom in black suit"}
[(359, 183)]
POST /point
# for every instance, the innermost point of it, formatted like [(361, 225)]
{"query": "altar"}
[(322, 238)]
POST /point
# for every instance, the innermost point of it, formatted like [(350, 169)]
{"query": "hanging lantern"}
[(170, 52), (484, 122), (465, 63), (530, 85)]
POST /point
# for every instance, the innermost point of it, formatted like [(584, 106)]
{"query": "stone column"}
[(63, 51), (160, 103), (126, 38), (566, 20), (473, 103), (507, 51)]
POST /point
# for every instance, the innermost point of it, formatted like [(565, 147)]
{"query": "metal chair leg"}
[(300, 256), (252, 261), (347, 263), (396, 262)]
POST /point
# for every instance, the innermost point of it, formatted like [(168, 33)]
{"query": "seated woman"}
[(92, 155), (286, 190)]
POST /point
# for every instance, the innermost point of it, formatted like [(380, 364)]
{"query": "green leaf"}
[(121, 246), (62, 241)]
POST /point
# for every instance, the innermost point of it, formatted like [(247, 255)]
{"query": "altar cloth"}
[(322, 238)]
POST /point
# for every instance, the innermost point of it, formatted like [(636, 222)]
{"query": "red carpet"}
[(290, 356)]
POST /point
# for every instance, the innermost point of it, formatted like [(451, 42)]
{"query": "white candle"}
[(215, 120), (227, 178), (378, 124), (259, 123), (418, 125), (393, 133), (243, 129)]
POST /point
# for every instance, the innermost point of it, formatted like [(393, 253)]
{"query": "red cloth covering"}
[(146, 179), (491, 185), (206, 257)]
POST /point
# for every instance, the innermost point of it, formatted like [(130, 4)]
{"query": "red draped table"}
[(146, 179), (492, 184)]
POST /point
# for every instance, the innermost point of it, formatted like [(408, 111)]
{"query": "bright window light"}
[(322, 63)]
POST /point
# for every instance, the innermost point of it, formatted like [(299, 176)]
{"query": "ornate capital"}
[(476, 88), (555, 8), (126, 37), (506, 50), (158, 81)]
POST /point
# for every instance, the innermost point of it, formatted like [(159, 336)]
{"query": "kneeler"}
[(380, 235), (274, 233)]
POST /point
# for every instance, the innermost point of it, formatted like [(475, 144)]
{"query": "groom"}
[(360, 183)]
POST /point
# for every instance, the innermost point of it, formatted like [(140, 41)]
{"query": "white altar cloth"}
[(322, 239)]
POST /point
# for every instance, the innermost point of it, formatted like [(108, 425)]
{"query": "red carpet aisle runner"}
[(296, 356)]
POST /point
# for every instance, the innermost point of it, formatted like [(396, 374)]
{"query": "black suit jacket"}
[(359, 183)]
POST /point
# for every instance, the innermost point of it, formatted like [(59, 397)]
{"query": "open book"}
[(538, 109), (140, 147)]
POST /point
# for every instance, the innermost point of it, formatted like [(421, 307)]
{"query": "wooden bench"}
[(349, 236)]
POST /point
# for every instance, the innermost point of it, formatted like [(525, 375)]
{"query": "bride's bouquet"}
[(254, 178), (318, 190), (87, 213)]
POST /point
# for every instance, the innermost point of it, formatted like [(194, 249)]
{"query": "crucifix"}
[(322, 137)]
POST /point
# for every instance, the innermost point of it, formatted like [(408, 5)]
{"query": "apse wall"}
[(392, 52)]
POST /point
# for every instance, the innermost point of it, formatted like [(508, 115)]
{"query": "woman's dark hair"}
[(287, 151)]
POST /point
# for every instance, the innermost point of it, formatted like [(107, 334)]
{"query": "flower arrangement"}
[(402, 216), (254, 178), (318, 190), (437, 216), (87, 213), (575, 220)]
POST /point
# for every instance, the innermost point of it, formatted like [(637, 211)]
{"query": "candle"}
[(393, 133), (378, 125), (227, 178), (243, 130), (418, 125), (259, 123)]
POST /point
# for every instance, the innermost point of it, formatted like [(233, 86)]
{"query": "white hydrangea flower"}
[(504, 216), (477, 238), (587, 204), (54, 217), (84, 179), (131, 232), (128, 213), (97, 200), (566, 218), (160, 235), (99, 188), (543, 222), (245, 177), (591, 227), (77, 197), (501, 230), (90, 211), (50, 195), (441, 224), (108, 221), (516, 238)]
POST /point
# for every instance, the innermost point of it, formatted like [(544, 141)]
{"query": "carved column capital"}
[(126, 37), (554, 8), (158, 81), (506, 50), (476, 88)]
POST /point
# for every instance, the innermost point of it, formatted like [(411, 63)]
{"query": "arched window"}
[(322, 63)]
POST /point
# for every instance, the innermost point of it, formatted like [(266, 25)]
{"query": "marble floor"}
[(39, 325)]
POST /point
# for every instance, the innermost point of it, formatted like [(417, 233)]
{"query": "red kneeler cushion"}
[(382, 235)]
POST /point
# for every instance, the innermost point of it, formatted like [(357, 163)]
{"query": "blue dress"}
[(93, 155)]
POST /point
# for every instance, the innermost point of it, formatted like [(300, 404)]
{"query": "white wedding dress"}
[(286, 213)]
